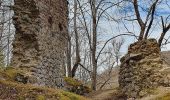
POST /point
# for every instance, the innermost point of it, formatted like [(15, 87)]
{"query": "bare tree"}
[(117, 44), (85, 51), (97, 10), (6, 29), (76, 40), (147, 24)]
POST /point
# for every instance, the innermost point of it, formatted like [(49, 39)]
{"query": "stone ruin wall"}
[(40, 39), (142, 69)]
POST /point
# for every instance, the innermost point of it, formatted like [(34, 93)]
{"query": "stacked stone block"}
[(141, 70)]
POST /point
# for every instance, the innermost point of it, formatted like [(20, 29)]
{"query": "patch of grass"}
[(72, 96), (11, 72), (72, 81), (40, 97), (12, 90), (26, 91), (76, 86), (164, 97)]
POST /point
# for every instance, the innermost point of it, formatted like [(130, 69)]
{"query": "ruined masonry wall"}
[(142, 69), (40, 39)]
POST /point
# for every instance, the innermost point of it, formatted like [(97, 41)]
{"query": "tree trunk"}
[(77, 41), (94, 61), (69, 57)]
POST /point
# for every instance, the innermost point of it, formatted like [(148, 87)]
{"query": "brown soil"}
[(108, 94)]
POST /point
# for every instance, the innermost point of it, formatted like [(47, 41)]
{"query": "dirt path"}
[(102, 95), (110, 94)]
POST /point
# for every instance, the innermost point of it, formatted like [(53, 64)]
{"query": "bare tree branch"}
[(139, 19)]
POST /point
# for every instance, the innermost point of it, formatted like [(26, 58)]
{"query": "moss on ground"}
[(12, 90), (76, 86), (40, 97), (10, 73), (164, 97), (72, 82), (15, 91)]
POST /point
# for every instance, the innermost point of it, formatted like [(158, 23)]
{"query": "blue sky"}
[(113, 28)]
